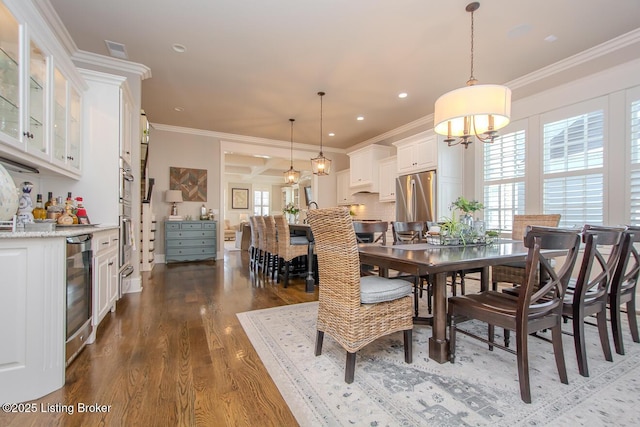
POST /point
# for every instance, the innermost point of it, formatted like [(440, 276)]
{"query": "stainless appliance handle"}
[(412, 201), (126, 271)]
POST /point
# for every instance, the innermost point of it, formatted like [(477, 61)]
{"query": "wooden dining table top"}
[(429, 258)]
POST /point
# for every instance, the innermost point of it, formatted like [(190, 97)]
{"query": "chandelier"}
[(321, 165), (474, 110), (291, 176)]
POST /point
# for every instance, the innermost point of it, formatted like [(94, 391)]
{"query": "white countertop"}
[(59, 232)]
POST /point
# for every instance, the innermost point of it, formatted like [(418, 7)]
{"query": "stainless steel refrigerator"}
[(416, 197)]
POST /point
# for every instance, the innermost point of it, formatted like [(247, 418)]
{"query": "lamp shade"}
[(173, 196), (477, 102), (321, 165)]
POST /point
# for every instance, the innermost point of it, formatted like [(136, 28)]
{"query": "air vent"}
[(117, 50)]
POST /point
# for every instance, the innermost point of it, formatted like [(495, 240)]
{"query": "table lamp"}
[(173, 196)]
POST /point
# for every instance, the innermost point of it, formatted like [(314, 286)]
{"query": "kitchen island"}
[(33, 310)]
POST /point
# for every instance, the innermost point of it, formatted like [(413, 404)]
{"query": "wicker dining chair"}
[(533, 309), (262, 244), (623, 288), (271, 243), (514, 272), (288, 248), (354, 310), (254, 249)]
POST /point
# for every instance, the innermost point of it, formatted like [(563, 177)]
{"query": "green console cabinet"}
[(190, 240)]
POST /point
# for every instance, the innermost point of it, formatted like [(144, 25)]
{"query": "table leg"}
[(484, 279), (438, 343), (310, 280)]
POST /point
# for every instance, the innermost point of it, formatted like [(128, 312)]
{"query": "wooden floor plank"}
[(176, 354)]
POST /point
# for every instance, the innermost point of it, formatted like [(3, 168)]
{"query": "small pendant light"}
[(321, 165), (291, 176)]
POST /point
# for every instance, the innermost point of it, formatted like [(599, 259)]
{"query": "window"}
[(635, 163), (573, 180), (504, 174), (260, 202)]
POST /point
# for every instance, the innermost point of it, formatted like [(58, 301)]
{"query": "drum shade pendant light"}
[(291, 176), (321, 165), (474, 110)]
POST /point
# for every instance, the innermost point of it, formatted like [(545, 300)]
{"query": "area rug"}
[(480, 388)]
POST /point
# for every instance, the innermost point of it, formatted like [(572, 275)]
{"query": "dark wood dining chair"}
[(587, 295), (376, 229), (354, 310), (533, 309), (408, 232), (623, 287)]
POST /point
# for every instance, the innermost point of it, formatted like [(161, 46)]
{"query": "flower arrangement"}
[(291, 209)]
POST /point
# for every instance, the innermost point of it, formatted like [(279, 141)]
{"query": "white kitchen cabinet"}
[(66, 135), (105, 274), (128, 115), (32, 317), (417, 153), (387, 178), (363, 166), (343, 189), (40, 93)]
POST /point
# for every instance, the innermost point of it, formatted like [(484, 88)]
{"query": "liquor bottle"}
[(39, 212), (50, 201), (81, 212)]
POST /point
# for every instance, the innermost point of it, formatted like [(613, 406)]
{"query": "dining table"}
[(305, 230), (436, 261)]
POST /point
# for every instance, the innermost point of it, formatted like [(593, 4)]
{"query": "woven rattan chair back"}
[(286, 250), (623, 287), (270, 235), (407, 232), (520, 223), (254, 231)]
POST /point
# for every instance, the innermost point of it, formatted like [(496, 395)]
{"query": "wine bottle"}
[(39, 212)]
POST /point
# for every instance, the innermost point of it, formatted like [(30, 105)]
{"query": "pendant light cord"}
[(321, 95), (291, 153)]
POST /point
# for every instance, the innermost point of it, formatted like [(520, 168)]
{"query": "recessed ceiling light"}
[(179, 109), (332, 134), (550, 38), (402, 95), (360, 118), (180, 48)]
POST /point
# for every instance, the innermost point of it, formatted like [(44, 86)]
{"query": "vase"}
[(9, 198)]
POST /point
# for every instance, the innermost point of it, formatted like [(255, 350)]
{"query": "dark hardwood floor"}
[(176, 355)]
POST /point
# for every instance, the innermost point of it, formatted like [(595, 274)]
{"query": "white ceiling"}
[(251, 65)]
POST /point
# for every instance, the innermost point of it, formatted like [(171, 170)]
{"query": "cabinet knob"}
[(111, 263), (69, 157)]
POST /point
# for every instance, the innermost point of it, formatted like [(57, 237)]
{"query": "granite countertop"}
[(59, 232)]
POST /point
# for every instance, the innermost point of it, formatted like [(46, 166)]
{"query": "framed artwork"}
[(239, 198), (192, 183)]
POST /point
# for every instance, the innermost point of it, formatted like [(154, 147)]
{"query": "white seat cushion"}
[(374, 289)]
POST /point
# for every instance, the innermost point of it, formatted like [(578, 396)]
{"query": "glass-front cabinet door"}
[(9, 77), (37, 91), (75, 129), (59, 117)]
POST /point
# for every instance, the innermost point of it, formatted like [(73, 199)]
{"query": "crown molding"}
[(114, 64), (230, 137), (608, 47)]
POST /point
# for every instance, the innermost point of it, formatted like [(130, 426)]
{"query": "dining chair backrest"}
[(538, 298), (520, 223), (628, 268), (254, 231), (407, 232), (262, 238), (376, 228), (338, 258), (601, 248), (270, 235)]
